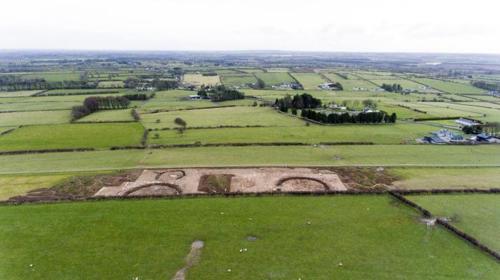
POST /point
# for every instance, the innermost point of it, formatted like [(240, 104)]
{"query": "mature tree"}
[(181, 123)]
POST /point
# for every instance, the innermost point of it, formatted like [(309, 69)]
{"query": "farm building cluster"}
[(445, 136)]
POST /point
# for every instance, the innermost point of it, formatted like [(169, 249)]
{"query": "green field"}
[(65, 136), (78, 91), (179, 99), (23, 93), (297, 237), (446, 178), (352, 155), (110, 84), (352, 84), (275, 78), (34, 117), (481, 113), (238, 80), (108, 116), (406, 84), (379, 134), (52, 76), (309, 80), (443, 109), (476, 214), (450, 87), (12, 185), (230, 116), (43, 103)]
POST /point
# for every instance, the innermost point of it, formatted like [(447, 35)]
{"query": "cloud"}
[(317, 25)]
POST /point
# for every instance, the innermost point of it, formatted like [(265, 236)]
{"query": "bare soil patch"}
[(215, 183), (230, 180), (170, 182), (77, 187)]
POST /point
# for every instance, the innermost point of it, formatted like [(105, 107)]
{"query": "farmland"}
[(229, 116), (360, 249), (66, 136), (238, 80), (450, 87), (275, 78), (144, 124), (309, 80), (476, 214), (397, 134), (199, 79)]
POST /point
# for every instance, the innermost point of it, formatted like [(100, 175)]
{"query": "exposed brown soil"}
[(168, 182), (301, 184), (215, 183), (365, 178), (77, 187)]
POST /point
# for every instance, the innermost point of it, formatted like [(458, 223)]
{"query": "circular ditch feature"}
[(170, 175), (156, 188), (300, 184)]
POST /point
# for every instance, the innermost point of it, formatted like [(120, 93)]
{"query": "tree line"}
[(95, 103), (138, 96), (338, 118), (15, 83), (220, 93), (392, 88), (158, 84), (301, 101), (487, 85)]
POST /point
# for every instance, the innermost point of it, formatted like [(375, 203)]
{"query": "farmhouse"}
[(145, 87), (443, 136), (328, 86), (467, 122), (484, 138), (288, 86)]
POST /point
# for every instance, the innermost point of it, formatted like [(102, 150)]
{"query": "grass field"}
[(43, 102), (309, 80), (401, 112), (230, 116), (481, 113), (446, 178), (354, 84), (108, 116), (11, 185), (477, 214), (450, 87), (443, 109), (52, 76), (110, 84), (34, 117), (179, 99), (375, 155), (297, 237), (79, 91), (23, 93), (238, 80), (275, 78), (379, 134), (406, 84), (199, 79), (72, 136)]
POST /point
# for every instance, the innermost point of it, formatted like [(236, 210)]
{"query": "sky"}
[(455, 26)]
